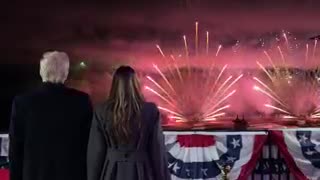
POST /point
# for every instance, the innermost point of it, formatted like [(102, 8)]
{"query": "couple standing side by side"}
[(56, 135)]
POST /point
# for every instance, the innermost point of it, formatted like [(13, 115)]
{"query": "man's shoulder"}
[(77, 93), (24, 97), (30, 97)]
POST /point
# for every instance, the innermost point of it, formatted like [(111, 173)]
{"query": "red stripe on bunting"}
[(246, 170), (196, 140), (279, 141), (4, 174)]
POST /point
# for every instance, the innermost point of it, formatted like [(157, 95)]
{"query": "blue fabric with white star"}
[(308, 148)]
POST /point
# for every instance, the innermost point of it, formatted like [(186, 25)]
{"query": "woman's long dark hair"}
[(125, 103)]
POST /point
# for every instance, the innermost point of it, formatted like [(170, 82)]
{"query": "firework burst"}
[(186, 92), (294, 92)]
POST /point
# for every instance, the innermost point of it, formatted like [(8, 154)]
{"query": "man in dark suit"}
[(50, 127)]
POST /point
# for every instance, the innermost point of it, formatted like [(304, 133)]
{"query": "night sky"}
[(111, 32)]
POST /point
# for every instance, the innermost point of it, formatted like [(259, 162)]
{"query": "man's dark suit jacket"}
[(49, 134)]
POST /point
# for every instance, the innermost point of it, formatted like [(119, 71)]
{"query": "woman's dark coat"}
[(141, 159)]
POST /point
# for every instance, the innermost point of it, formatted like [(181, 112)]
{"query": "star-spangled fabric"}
[(301, 149), (4, 145), (202, 155)]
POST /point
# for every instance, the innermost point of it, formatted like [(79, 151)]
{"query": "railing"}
[(271, 165)]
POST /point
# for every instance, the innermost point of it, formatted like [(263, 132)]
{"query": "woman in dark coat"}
[(126, 140)]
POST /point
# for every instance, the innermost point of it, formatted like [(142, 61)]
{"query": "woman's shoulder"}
[(150, 106), (151, 112), (101, 106), (101, 109)]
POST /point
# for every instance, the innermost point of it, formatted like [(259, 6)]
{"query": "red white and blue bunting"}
[(301, 150), (203, 155)]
